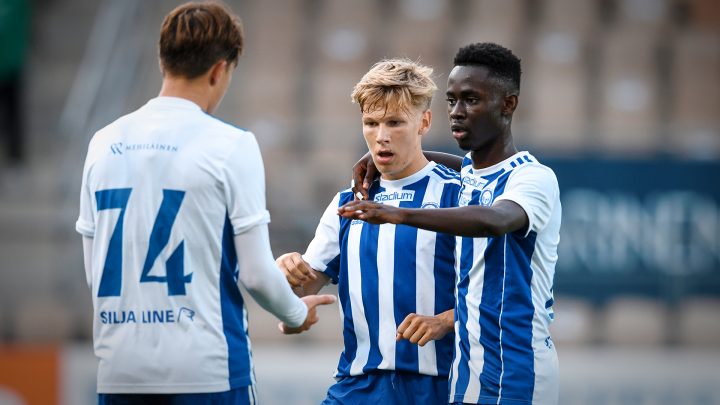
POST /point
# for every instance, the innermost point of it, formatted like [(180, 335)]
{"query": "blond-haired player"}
[(396, 283)]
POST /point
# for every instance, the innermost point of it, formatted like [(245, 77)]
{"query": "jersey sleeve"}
[(85, 224), (323, 251), (535, 189), (244, 182)]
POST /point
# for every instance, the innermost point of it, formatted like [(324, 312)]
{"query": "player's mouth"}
[(384, 157), (458, 131)]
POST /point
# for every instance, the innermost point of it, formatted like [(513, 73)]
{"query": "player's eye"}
[(451, 101)]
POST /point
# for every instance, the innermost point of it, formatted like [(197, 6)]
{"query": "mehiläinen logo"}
[(118, 148), (404, 195)]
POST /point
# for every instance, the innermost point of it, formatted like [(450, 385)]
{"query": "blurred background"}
[(620, 97)]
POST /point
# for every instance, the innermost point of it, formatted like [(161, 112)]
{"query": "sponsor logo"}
[(151, 316), (117, 148), (472, 181), (404, 195), (549, 342), (187, 313)]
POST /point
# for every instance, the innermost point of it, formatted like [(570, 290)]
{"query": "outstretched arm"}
[(472, 221), (266, 284)]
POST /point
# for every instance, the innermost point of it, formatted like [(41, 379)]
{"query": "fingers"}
[(313, 301), (297, 271), (356, 209), (370, 174), (425, 339), (409, 326), (405, 323), (359, 174), (416, 329), (303, 268), (419, 333)]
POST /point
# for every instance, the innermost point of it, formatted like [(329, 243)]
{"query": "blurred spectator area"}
[(630, 79)]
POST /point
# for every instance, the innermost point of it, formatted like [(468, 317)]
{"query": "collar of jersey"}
[(497, 166), (174, 102), (400, 183)]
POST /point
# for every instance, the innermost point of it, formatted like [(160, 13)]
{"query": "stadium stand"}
[(596, 82)]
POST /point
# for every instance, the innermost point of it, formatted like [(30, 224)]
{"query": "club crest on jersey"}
[(403, 195), (431, 205), (486, 198)]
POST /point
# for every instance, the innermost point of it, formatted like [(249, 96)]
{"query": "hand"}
[(364, 172), (371, 212), (421, 329), (312, 301), (297, 271)]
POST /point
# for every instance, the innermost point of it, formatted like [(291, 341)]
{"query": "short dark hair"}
[(499, 61), (195, 36)]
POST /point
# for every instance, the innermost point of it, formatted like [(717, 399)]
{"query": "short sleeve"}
[(244, 184), (324, 250), (85, 224), (535, 189)]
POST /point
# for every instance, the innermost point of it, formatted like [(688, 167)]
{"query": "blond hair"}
[(395, 81)]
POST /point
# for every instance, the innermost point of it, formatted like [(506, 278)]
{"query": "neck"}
[(491, 154), (187, 89)]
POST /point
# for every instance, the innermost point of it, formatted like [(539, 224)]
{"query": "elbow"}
[(498, 227)]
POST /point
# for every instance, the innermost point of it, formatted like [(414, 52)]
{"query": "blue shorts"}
[(238, 396), (388, 387)]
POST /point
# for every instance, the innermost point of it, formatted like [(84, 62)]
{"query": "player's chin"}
[(464, 144)]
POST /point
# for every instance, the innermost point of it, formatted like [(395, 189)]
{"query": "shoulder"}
[(344, 196), (444, 174), (224, 130), (531, 171)]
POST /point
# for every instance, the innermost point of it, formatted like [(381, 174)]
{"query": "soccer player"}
[(173, 217), (396, 283), (508, 223)]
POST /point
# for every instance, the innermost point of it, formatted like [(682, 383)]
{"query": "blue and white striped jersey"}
[(503, 350), (385, 272), (164, 191)]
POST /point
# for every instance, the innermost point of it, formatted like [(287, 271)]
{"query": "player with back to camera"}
[(395, 283), (508, 227), (173, 217)]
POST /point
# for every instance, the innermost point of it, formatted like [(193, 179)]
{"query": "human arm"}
[(87, 257), (420, 329), (260, 276), (472, 221), (303, 279), (364, 171)]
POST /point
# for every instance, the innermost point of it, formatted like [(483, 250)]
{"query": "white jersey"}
[(164, 191), (503, 349), (385, 272)]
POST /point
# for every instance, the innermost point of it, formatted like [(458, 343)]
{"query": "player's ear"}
[(510, 103), (426, 122), (217, 70)]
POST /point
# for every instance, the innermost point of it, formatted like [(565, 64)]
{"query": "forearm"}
[(470, 221), (263, 280)]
